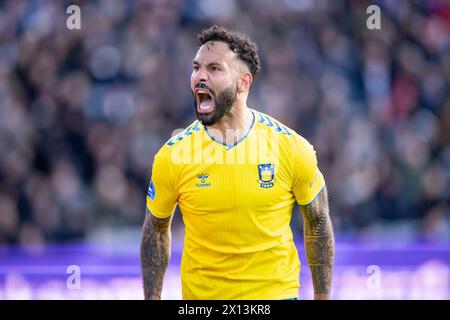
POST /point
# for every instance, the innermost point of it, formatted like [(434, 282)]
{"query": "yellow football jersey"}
[(236, 202)]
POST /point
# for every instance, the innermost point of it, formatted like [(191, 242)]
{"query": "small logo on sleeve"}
[(151, 193), (266, 174)]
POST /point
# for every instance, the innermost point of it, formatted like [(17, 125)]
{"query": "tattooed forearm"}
[(155, 254), (319, 244)]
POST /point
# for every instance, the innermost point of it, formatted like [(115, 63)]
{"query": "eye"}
[(195, 68), (215, 69)]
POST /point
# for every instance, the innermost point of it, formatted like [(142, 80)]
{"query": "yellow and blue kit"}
[(236, 203)]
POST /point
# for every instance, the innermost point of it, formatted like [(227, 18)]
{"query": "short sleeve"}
[(307, 180), (162, 194)]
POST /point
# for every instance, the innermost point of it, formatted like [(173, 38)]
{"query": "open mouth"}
[(205, 102)]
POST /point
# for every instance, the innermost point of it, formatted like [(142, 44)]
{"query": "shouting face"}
[(214, 81)]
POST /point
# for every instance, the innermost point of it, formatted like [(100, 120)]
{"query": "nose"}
[(200, 76)]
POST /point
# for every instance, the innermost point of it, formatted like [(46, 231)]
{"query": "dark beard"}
[(222, 104)]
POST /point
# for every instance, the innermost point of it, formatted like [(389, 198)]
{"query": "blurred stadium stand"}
[(82, 112)]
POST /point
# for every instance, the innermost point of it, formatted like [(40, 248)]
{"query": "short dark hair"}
[(239, 43)]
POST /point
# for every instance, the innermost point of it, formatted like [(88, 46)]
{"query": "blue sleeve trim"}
[(315, 197)]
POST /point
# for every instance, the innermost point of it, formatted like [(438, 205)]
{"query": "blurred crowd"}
[(82, 112)]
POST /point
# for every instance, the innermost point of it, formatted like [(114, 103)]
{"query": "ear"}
[(244, 82)]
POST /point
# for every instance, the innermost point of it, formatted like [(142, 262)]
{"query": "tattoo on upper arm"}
[(155, 254), (319, 242)]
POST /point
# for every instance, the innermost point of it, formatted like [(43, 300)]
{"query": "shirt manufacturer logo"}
[(203, 180)]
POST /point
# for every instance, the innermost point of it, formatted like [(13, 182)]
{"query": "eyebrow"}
[(211, 64)]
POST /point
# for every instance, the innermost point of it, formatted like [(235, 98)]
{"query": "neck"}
[(233, 125)]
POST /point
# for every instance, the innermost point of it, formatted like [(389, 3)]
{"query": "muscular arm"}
[(319, 244), (155, 254)]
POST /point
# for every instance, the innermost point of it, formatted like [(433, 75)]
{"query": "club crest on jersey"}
[(203, 182), (266, 173)]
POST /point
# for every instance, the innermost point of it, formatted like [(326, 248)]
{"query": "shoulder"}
[(290, 136), (272, 125), (297, 148), (178, 140)]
